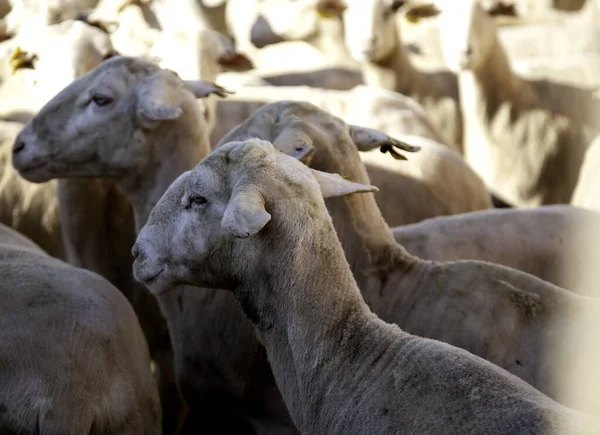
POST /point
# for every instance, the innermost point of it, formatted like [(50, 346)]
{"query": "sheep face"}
[(370, 29), (210, 228), (98, 125), (467, 34)]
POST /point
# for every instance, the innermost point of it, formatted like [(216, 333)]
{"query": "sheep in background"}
[(315, 22), (409, 191), (28, 16), (549, 242), (31, 209), (45, 62), (201, 54), (373, 38), (73, 357), (226, 381), (253, 221), (456, 302), (132, 27), (525, 138)]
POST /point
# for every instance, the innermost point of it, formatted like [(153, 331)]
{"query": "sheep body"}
[(73, 357), (340, 368), (240, 396), (553, 237), (455, 302), (526, 139)]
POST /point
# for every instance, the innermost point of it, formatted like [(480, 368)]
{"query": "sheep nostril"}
[(18, 146), (135, 251)]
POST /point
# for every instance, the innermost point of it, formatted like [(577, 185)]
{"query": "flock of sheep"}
[(401, 197)]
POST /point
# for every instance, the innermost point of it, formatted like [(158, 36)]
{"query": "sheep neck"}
[(368, 243), (491, 85), (178, 147), (329, 41), (396, 73), (310, 317)]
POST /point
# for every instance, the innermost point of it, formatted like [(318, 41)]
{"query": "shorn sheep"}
[(525, 138), (457, 302), (549, 242), (252, 220), (373, 38), (73, 357), (417, 184), (226, 382)]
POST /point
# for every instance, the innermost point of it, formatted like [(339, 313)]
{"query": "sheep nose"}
[(18, 146), (135, 251)]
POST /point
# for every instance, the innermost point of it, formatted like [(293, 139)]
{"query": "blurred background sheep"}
[(499, 95)]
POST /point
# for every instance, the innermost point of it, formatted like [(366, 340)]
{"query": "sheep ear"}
[(202, 89), (235, 62), (500, 8), (152, 110), (245, 214), (330, 8), (367, 139), (416, 12), (334, 185)]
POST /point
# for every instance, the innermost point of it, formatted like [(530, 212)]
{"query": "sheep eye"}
[(198, 201), (101, 100), (397, 4)]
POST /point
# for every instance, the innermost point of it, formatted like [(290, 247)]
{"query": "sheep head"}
[(370, 29), (315, 137), (193, 233), (467, 32), (102, 124)]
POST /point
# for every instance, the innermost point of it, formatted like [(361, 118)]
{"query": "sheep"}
[(132, 28), (73, 357), (202, 54), (409, 192), (31, 209), (56, 55), (27, 16), (453, 302), (373, 38), (227, 382), (62, 53), (525, 138), (586, 192), (251, 220), (309, 21), (537, 241)]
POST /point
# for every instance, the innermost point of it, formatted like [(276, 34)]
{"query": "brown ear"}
[(416, 12), (235, 62), (499, 8), (330, 8)]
